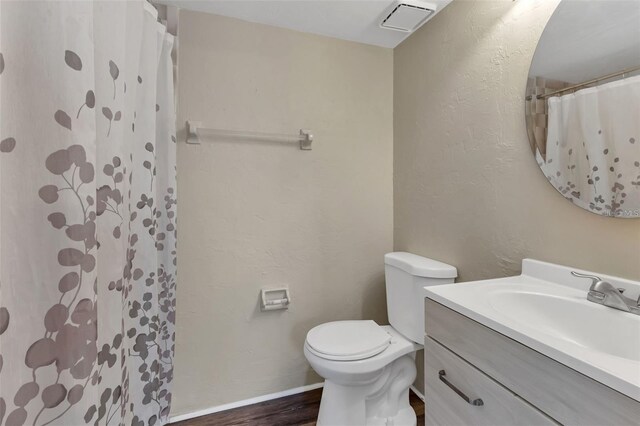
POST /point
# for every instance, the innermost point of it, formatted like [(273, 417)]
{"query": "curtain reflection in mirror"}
[(592, 153)]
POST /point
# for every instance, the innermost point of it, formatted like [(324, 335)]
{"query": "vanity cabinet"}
[(517, 385)]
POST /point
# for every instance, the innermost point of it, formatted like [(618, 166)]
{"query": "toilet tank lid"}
[(420, 266)]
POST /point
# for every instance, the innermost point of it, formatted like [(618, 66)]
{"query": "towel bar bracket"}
[(305, 140)]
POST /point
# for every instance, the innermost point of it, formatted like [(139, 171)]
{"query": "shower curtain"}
[(593, 147), (87, 214)]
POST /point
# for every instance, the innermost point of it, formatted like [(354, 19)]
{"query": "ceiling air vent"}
[(408, 15)]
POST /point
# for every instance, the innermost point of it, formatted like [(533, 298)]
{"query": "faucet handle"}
[(594, 279)]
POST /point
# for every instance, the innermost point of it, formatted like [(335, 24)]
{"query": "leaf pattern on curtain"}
[(7, 145), (88, 216)]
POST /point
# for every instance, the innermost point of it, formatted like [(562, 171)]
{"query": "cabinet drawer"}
[(449, 379), (567, 396)]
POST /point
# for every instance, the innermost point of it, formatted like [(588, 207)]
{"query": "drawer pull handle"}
[(477, 402)]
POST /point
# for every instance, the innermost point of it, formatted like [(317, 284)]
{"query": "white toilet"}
[(368, 368)]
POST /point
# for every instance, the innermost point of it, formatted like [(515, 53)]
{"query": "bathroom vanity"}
[(530, 350)]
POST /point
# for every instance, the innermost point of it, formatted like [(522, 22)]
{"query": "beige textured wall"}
[(256, 214), (467, 190)]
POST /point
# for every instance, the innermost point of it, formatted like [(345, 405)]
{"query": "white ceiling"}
[(589, 39), (354, 20)]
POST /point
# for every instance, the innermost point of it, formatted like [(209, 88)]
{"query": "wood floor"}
[(294, 410)]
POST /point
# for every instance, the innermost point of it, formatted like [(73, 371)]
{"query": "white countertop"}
[(546, 309)]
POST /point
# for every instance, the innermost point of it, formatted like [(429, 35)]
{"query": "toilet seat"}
[(348, 340)]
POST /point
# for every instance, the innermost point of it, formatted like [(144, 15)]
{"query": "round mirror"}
[(583, 105)]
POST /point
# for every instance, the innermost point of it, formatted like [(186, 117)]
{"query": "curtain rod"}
[(586, 83)]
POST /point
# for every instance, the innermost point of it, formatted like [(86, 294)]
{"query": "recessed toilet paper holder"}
[(272, 299)]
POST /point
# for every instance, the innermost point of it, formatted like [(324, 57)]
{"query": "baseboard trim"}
[(417, 392), (244, 402), (268, 397)]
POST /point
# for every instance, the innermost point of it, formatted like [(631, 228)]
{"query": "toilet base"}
[(405, 417), (382, 401)]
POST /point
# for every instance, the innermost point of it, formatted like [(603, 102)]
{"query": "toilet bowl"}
[(368, 390), (368, 368)]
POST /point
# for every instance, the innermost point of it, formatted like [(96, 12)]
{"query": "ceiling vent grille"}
[(407, 16)]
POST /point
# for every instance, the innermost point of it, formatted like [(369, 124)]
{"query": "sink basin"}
[(574, 320), (547, 310)]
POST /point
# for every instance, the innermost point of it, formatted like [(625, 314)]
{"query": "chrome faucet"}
[(603, 293)]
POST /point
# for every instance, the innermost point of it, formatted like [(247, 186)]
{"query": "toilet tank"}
[(406, 275)]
